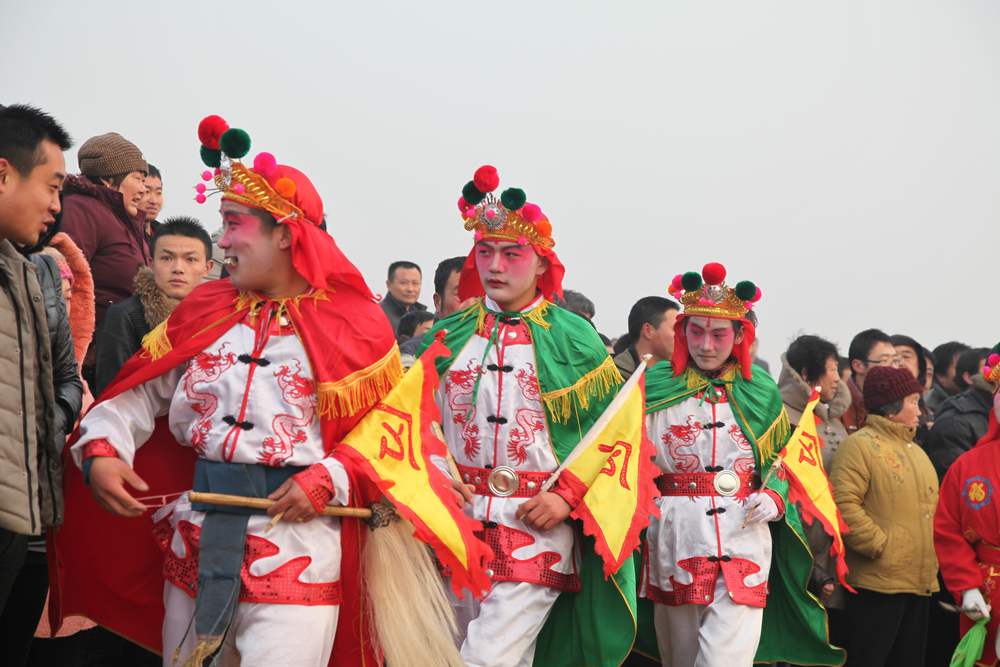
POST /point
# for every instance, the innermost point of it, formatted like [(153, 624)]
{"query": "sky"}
[(842, 155)]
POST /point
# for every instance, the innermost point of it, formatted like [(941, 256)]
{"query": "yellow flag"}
[(613, 470), (809, 486), (393, 445)]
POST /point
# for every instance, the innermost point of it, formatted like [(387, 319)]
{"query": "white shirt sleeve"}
[(127, 420), (341, 483)]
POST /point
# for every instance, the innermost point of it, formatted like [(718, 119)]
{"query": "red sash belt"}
[(701, 484), (528, 483)]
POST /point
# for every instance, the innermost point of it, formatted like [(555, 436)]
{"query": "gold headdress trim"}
[(257, 193)]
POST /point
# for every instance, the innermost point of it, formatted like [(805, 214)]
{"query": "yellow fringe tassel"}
[(774, 438), (536, 315), (595, 384), (156, 343), (361, 389)]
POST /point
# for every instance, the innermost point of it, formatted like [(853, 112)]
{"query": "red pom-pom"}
[(993, 360), (531, 213), (713, 273), (486, 179), (462, 204), (210, 130), (285, 187), (756, 296), (677, 283)]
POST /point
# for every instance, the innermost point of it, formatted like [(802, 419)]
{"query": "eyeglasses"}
[(884, 361)]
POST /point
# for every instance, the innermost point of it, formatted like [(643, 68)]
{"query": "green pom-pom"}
[(691, 281), (211, 157), (746, 290), (513, 199), (235, 143), (471, 194)]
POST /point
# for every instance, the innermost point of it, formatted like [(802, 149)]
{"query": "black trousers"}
[(885, 629), (25, 581)]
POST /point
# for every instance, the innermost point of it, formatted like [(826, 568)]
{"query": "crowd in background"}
[(105, 270)]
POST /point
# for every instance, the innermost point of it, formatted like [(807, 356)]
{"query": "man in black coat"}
[(182, 258), (961, 420)]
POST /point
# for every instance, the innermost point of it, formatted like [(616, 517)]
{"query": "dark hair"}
[(22, 131), (604, 339), (409, 322), (843, 364), (945, 354), (862, 344), (918, 349), (576, 302), (807, 355), (152, 171), (648, 310), (402, 264), (971, 362), (182, 225), (443, 272), (888, 409)]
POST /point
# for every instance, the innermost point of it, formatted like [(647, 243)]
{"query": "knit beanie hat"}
[(885, 385), (110, 154)]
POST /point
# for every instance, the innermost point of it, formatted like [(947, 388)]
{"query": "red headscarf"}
[(741, 350)]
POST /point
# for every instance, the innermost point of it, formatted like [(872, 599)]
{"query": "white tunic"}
[(247, 398), (506, 427), (696, 537)]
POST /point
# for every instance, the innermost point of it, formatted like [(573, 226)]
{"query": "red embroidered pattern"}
[(281, 586), (512, 334), (529, 483), (300, 393), (458, 390), (529, 422), (743, 464), (204, 369), (317, 484), (503, 541), (701, 590), (680, 436), (99, 448), (527, 381)]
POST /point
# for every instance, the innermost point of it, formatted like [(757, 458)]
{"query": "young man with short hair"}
[(403, 291), (181, 250), (650, 331), (152, 201), (524, 381), (870, 348), (726, 564), (32, 426), (446, 301), (962, 418)]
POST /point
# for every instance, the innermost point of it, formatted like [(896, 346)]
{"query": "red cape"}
[(109, 568)]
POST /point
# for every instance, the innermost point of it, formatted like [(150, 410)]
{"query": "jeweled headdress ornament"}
[(706, 294)]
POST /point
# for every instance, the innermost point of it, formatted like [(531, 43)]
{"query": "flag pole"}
[(595, 431)]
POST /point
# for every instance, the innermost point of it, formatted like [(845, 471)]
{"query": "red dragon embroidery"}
[(527, 380), (529, 422), (204, 369), (743, 465), (681, 436), (458, 390), (298, 392)]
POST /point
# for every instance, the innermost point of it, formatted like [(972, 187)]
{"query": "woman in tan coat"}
[(886, 490)]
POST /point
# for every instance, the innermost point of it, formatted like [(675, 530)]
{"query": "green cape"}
[(597, 626), (795, 627)]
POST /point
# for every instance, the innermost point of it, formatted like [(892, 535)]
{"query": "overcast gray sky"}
[(844, 154)]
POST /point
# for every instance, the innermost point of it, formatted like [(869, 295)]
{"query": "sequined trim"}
[(528, 483), (281, 586), (697, 484), (316, 483)]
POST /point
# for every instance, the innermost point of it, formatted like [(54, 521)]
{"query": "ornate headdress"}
[(284, 192), (507, 218), (706, 294), (991, 369)]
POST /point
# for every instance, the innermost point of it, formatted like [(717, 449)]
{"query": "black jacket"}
[(65, 378), (960, 422), (121, 336), (395, 309)]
